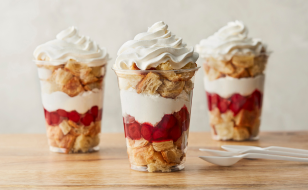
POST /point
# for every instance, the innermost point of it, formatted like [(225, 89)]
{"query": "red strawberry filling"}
[(235, 103), (55, 117), (134, 131), (170, 127), (146, 131)]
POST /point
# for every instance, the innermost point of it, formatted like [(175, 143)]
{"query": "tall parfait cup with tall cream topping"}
[(71, 70), (156, 80), (234, 67)]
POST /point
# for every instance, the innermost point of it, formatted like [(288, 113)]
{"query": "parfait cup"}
[(72, 97), (156, 110), (234, 92)]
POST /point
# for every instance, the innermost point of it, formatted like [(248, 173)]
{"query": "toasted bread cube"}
[(98, 71), (172, 155), (239, 72), (65, 127), (149, 84), (140, 143), (159, 164), (189, 86), (240, 134), (213, 74), (227, 116), (243, 61), (140, 156), (62, 76), (72, 87), (170, 89), (246, 118), (85, 143), (161, 146), (164, 66), (254, 130), (222, 66), (87, 77), (225, 130), (94, 85), (215, 117), (75, 67)]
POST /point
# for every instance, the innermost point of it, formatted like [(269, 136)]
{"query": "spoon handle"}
[(284, 149), (280, 153), (273, 157)]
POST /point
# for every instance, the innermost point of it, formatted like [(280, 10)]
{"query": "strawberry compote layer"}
[(170, 127), (235, 103), (56, 117)]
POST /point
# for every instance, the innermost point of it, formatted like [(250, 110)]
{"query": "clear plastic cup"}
[(156, 107), (234, 93), (72, 97)]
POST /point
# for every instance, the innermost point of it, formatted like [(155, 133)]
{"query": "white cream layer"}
[(227, 86), (151, 108), (81, 103)]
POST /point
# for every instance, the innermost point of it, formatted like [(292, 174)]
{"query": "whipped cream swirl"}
[(230, 40), (153, 47), (70, 45)]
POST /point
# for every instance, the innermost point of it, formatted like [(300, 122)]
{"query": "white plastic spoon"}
[(229, 161), (238, 148), (234, 153)]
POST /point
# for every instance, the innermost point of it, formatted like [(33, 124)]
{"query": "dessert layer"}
[(157, 45), (70, 45), (151, 108), (227, 86), (80, 103)]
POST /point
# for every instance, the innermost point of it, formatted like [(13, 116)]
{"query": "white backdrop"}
[(282, 24)]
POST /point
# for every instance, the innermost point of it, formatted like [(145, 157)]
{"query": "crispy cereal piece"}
[(246, 118), (215, 117), (161, 146), (213, 74), (75, 67), (149, 84), (142, 155), (254, 130), (225, 130), (221, 66), (62, 76), (164, 66), (72, 87), (170, 89), (240, 134), (243, 61), (172, 155), (65, 127)]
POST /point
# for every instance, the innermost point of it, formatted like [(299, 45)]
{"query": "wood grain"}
[(25, 162)]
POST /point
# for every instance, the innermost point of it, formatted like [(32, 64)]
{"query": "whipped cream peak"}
[(156, 46), (70, 45), (228, 41)]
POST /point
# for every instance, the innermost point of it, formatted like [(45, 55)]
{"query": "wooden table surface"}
[(25, 162)]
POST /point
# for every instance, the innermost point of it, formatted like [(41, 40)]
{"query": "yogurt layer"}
[(151, 108), (227, 86), (80, 103)]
